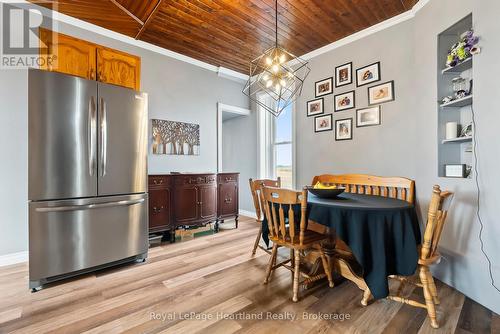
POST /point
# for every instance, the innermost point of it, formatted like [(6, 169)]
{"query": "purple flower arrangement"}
[(463, 50)]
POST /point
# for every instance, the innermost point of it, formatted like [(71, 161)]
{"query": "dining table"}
[(383, 233)]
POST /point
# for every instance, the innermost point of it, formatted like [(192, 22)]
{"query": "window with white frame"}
[(276, 146)]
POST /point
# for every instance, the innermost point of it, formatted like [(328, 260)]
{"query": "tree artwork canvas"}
[(175, 138)]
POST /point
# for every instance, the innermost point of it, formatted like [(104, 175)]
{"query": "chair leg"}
[(296, 274), (272, 262), (366, 297), (257, 241), (429, 302), (292, 260), (326, 267), (433, 289)]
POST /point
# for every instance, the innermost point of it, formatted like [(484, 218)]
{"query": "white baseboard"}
[(246, 213), (14, 258)]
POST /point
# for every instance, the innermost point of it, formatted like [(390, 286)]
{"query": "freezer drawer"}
[(74, 235)]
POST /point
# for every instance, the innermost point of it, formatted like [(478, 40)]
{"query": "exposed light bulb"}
[(265, 77), (269, 83), (278, 87), (269, 61), (282, 58), (283, 82), (275, 68)]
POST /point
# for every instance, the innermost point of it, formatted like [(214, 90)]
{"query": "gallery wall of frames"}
[(344, 85)]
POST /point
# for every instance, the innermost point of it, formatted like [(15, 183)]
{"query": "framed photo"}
[(344, 101), (381, 93), (315, 107), (323, 123), (343, 129), (343, 75), (368, 74), (368, 116), (324, 87)]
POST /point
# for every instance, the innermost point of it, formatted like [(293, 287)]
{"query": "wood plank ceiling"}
[(230, 33)]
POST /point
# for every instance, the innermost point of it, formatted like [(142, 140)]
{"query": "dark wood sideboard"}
[(191, 200)]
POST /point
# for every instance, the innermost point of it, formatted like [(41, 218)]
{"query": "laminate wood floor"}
[(213, 285)]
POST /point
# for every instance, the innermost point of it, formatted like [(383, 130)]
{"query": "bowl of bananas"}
[(325, 190)]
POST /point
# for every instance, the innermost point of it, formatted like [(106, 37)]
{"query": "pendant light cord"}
[(276, 16)]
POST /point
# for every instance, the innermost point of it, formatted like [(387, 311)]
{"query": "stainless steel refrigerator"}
[(87, 176)]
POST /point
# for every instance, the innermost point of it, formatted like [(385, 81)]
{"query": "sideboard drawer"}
[(155, 181), (195, 179), (226, 178)]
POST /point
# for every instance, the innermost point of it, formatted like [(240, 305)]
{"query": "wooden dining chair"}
[(281, 203), (436, 216), (256, 189), (402, 188)]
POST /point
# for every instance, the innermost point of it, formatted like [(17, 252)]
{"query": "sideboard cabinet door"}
[(159, 210), (208, 202), (228, 199), (186, 205)]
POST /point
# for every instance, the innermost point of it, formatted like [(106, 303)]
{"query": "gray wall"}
[(368, 152), (406, 143), (177, 91), (239, 153)]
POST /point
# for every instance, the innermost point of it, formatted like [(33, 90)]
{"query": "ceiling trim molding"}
[(231, 75), (126, 39), (126, 11), (368, 31), (221, 71), (148, 19)]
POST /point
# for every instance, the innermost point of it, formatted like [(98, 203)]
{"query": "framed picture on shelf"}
[(315, 107), (344, 101), (343, 75), (323, 123), (368, 74), (381, 93), (324, 87), (368, 116), (343, 129)]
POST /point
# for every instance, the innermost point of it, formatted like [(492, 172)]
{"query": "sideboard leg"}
[(236, 221), (216, 226)]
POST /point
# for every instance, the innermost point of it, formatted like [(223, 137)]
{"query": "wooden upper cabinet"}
[(118, 68), (69, 55), (88, 60)]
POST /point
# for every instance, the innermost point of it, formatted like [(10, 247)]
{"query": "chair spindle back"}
[(256, 189), (436, 216), (394, 187), (276, 200)]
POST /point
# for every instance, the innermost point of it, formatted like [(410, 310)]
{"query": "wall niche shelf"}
[(460, 67), (457, 140), (455, 151), (465, 101)]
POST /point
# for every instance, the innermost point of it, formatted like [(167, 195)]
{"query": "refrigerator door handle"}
[(104, 137), (91, 136), (90, 206)]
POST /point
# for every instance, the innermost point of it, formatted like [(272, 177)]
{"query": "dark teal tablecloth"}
[(383, 234)]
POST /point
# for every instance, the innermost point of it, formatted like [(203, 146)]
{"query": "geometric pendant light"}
[(276, 74)]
